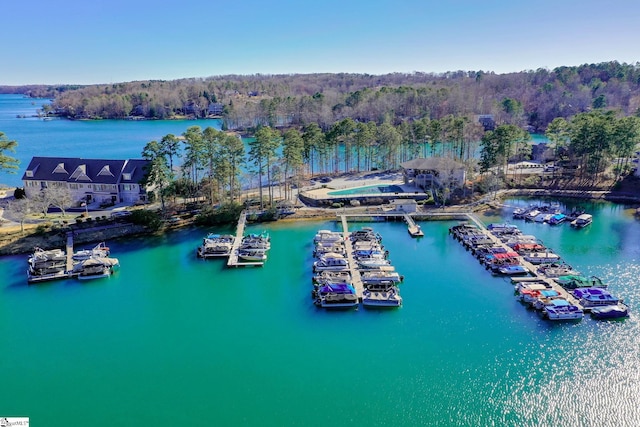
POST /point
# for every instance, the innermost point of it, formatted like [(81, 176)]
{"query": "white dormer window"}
[(105, 171), (80, 173), (29, 174), (126, 176), (60, 169)]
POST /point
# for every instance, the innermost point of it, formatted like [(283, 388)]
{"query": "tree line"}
[(528, 98), (216, 164)]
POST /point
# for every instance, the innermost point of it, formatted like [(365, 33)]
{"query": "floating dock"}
[(233, 260), (413, 229), (532, 268), (356, 279)]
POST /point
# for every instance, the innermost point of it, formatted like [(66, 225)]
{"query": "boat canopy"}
[(560, 303), (549, 293), (506, 255)]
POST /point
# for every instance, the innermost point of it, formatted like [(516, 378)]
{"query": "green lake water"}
[(171, 339)]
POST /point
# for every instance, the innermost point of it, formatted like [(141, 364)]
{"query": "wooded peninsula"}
[(528, 98)]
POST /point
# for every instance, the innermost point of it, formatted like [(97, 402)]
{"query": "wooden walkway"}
[(413, 229), (69, 252), (356, 279), (233, 260)]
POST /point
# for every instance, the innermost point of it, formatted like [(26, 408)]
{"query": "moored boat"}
[(252, 254), (594, 297), (513, 270), (101, 251), (95, 268), (562, 310), (541, 257), (616, 311), (582, 221), (382, 298), (331, 261)]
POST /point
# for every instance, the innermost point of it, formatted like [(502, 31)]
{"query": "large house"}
[(89, 180), (433, 172)]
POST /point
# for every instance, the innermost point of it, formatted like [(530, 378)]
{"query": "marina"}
[(197, 304), (504, 250)]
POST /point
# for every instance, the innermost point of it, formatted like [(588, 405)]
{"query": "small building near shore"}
[(88, 180), (404, 205)]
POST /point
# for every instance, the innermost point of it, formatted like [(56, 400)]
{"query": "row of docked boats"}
[(552, 215), (86, 264), (543, 280), (252, 247), (338, 260)]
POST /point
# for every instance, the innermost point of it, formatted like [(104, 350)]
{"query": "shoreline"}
[(12, 242)]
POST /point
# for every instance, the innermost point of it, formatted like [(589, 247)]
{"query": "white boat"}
[(541, 257), (331, 261), (328, 276), (377, 276), (46, 265), (252, 254), (530, 216), (101, 251), (337, 301), (255, 241), (95, 268), (322, 248), (372, 262), (386, 298), (582, 221), (324, 236)]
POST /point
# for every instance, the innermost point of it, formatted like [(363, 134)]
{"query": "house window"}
[(126, 176), (29, 174), (73, 186)]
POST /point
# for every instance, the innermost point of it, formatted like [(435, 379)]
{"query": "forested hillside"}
[(528, 98)]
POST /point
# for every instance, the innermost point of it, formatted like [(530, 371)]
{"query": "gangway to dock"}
[(413, 229), (233, 260)]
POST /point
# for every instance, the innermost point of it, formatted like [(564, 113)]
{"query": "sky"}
[(111, 41)]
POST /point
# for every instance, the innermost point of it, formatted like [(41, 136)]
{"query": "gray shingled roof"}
[(70, 169)]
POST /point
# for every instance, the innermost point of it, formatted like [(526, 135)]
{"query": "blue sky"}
[(85, 42)]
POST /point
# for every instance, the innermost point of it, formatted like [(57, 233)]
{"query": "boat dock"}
[(536, 277), (413, 229), (356, 279), (233, 260)]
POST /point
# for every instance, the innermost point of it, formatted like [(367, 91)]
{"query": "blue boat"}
[(610, 311), (336, 295), (561, 309), (595, 297), (557, 219)]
